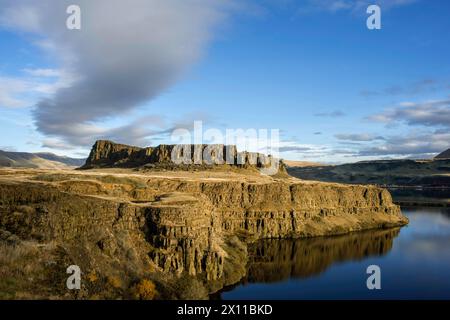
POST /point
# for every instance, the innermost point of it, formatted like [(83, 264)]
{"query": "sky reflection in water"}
[(414, 261)]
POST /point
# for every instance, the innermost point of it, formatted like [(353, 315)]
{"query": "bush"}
[(114, 282), (92, 276), (144, 290)]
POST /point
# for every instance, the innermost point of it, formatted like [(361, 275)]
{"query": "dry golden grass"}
[(144, 290), (114, 281), (19, 268), (15, 257), (301, 164), (92, 276)]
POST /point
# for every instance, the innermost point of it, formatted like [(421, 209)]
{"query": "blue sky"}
[(337, 91)]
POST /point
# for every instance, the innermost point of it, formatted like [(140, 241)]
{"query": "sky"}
[(139, 70)]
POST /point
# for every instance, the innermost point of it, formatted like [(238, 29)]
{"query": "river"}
[(414, 263)]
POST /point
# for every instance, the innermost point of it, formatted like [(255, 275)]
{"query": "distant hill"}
[(443, 155), (37, 160), (301, 164), (73, 162), (424, 173)]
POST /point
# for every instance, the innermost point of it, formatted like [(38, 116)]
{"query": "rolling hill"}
[(423, 173), (37, 160), (443, 155)]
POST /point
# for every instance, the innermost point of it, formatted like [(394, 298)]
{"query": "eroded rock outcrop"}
[(107, 154)]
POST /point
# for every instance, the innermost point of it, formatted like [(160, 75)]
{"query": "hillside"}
[(301, 164), (423, 173), (443, 155), (72, 162), (37, 160)]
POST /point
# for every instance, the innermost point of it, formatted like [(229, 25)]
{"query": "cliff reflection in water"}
[(276, 260)]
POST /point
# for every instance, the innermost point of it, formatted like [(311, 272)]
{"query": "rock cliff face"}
[(178, 223), (107, 154)]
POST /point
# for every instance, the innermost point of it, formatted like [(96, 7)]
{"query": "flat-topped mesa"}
[(107, 154)]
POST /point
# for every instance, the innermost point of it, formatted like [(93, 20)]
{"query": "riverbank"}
[(420, 196)]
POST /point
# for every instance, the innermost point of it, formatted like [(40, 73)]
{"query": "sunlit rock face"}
[(107, 154)]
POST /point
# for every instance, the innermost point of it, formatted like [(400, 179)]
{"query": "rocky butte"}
[(107, 154), (132, 218)]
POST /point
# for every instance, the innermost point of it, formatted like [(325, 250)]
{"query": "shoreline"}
[(415, 203)]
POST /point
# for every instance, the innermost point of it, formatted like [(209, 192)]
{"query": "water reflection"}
[(429, 194), (414, 262), (276, 260)]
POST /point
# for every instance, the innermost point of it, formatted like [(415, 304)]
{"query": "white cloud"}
[(411, 145), (43, 72), (434, 113), (22, 91), (425, 127), (20, 16), (56, 144), (11, 90), (332, 114), (358, 137), (8, 148), (127, 53), (418, 87), (350, 5)]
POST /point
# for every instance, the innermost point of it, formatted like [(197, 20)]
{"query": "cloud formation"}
[(22, 91), (418, 87), (142, 132), (358, 137), (126, 53), (290, 148), (298, 149), (350, 5), (413, 145), (10, 90), (332, 114), (434, 113), (429, 131)]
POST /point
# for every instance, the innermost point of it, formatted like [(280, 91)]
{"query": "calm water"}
[(414, 262)]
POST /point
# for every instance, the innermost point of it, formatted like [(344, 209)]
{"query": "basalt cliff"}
[(107, 154), (159, 233)]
